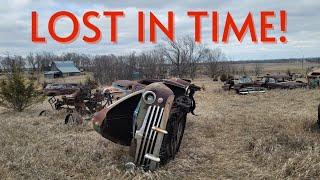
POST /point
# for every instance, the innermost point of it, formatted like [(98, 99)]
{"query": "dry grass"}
[(70, 79), (262, 136), (295, 67)]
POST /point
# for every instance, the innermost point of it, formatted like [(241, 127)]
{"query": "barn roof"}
[(66, 67)]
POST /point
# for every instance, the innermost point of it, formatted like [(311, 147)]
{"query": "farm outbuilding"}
[(62, 69), (52, 74)]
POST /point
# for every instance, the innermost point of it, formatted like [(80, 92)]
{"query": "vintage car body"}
[(243, 85), (280, 82), (314, 78), (83, 102), (60, 89), (251, 90), (121, 88), (151, 121)]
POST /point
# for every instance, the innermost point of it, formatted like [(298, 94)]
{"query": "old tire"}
[(43, 113), (172, 141)]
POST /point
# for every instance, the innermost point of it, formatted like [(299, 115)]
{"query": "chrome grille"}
[(152, 118)]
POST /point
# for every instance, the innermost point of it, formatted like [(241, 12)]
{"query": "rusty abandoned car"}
[(280, 82), (60, 89), (79, 104), (314, 78), (151, 121), (120, 88), (243, 85)]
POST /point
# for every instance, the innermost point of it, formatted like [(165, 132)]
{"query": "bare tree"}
[(213, 58), (184, 54), (171, 50), (180, 58), (234, 70), (10, 62), (151, 64), (85, 62), (194, 53), (32, 62), (107, 68), (44, 60), (258, 69), (243, 70), (132, 64)]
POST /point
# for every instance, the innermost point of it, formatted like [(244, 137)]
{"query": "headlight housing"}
[(149, 97)]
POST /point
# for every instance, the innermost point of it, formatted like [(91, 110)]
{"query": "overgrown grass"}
[(262, 136)]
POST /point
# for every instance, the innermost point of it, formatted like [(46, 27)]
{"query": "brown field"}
[(296, 67), (262, 136)]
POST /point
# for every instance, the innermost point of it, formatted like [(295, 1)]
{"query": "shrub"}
[(18, 93), (224, 77), (91, 82)]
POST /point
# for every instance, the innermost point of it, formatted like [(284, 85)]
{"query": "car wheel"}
[(172, 141), (180, 132)]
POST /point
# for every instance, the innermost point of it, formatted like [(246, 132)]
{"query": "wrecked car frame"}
[(56, 89), (121, 88), (151, 121), (79, 104), (280, 82), (245, 85)]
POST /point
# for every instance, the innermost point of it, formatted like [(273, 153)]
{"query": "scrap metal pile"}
[(78, 101), (245, 85), (147, 115)]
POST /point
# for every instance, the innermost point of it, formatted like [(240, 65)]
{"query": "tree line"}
[(181, 58)]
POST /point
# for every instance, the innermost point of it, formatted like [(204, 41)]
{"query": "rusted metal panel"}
[(150, 123), (245, 85)]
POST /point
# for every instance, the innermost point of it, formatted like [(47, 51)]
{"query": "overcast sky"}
[(303, 26)]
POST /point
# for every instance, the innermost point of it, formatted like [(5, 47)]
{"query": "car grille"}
[(148, 136)]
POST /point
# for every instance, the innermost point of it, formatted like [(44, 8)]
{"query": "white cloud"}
[(18, 4), (302, 34)]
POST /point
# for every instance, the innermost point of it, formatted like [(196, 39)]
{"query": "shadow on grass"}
[(313, 127)]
